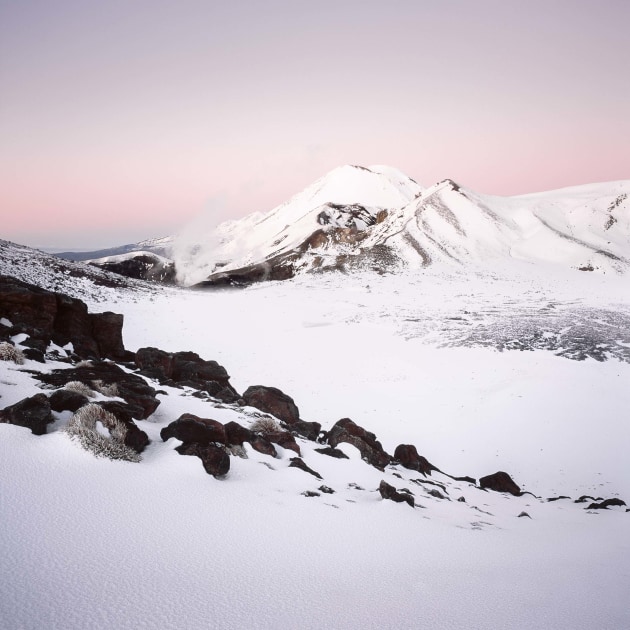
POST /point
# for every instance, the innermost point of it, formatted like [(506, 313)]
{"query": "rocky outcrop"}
[(186, 368), (604, 505), (32, 413), (215, 460), (46, 316), (144, 266), (236, 434), (500, 482), (298, 462), (274, 401), (140, 398), (345, 430), (332, 452), (407, 455), (283, 439), (388, 491), (192, 429)]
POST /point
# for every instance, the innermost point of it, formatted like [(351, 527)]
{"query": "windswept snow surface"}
[(421, 358)]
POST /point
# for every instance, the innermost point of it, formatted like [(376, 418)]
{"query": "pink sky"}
[(124, 120)]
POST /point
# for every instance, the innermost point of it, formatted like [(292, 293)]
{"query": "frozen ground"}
[(422, 358)]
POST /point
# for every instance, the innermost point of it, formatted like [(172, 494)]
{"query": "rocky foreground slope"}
[(83, 381)]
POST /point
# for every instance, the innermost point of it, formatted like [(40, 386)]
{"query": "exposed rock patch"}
[(500, 482), (32, 413), (345, 430), (388, 491)]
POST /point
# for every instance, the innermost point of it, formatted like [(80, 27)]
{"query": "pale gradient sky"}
[(122, 120)]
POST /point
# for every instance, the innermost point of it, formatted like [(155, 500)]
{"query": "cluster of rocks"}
[(45, 317)]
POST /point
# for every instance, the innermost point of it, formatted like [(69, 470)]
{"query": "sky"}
[(125, 120)]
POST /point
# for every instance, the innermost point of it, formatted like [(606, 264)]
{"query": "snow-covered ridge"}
[(379, 218)]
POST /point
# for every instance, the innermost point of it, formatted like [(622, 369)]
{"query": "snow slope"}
[(429, 358)]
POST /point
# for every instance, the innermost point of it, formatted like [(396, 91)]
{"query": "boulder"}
[(298, 462), (32, 413), (260, 444), (215, 460), (186, 369), (272, 400), (67, 400), (604, 505), (332, 452), (500, 482), (389, 492), (345, 430), (407, 455), (283, 439), (307, 430), (155, 363), (192, 429), (236, 434)]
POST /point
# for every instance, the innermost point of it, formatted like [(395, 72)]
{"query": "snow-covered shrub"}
[(265, 425), (238, 450), (81, 388), (8, 352), (83, 427), (105, 389)]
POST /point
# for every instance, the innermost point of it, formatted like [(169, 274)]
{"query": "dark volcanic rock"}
[(34, 355), (407, 456), (47, 316), (236, 434), (214, 459), (389, 492), (272, 400), (500, 482), (604, 505), (32, 413), (283, 439), (345, 430), (107, 332), (192, 429), (67, 400), (140, 397), (260, 444), (186, 368), (308, 430), (298, 462), (332, 452), (143, 266)]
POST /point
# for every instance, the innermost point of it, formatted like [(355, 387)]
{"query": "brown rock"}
[(272, 400), (500, 482), (32, 413), (345, 430), (192, 429)]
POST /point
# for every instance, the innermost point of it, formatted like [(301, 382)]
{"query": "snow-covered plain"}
[(423, 357)]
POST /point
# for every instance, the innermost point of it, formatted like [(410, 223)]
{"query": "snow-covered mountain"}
[(378, 218)]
